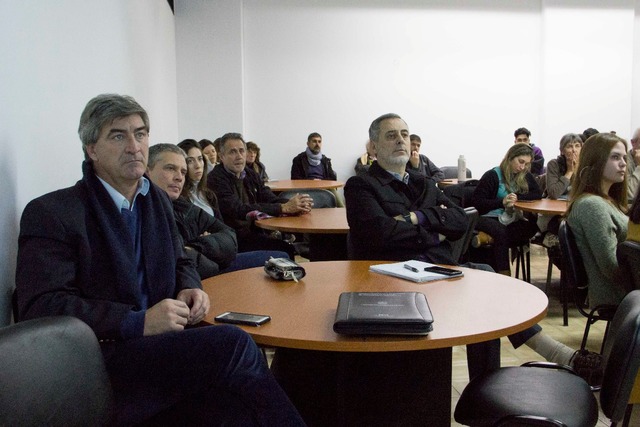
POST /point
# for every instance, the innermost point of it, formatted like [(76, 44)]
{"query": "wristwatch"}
[(407, 217)]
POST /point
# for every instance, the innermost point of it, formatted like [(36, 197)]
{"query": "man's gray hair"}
[(228, 136), (156, 150), (374, 129), (103, 110)]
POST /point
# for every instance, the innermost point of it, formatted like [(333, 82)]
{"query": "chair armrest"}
[(527, 420), (550, 365)]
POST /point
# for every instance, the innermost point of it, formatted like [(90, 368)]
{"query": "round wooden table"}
[(318, 221), (302, 184), (372, 380), (327, 229), (543, 206)]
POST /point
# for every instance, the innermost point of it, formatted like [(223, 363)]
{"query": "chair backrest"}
[(52, 373), (321, 198), (573, 269), (451, 172), (622, 357), (460, 194), (542, 183), (459, 247), (628, 255)]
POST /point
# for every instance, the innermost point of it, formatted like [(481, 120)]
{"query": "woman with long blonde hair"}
[(499, 188)]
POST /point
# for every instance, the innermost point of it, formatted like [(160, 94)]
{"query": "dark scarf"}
[(156, 240)]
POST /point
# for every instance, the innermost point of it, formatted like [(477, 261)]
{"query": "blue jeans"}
[(212, 375), (253, 259)]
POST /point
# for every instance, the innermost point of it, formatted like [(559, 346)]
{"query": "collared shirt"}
[(400, 177), (121, 201), (133, 324), (242, 174)]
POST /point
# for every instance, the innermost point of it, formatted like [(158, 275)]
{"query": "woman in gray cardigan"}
[(596, 214)]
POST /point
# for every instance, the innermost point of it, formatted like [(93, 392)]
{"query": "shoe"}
[(588, 365), (538, 239), (481, 239), (289, 238), (275, 235), (551, 240)]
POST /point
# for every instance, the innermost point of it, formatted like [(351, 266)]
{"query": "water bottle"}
[(462, 169)]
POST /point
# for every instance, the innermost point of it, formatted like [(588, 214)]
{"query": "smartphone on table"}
[(242, 318), (443, 270)]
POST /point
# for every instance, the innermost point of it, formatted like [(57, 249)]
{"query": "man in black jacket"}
[(243, 198), (209, 242), (311, 163), (398, 214)]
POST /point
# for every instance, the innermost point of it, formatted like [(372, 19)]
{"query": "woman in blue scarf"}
[(501, 224)]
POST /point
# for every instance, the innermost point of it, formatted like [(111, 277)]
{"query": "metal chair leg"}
[(549, 271)]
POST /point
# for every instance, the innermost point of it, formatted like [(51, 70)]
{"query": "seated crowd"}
[(126, 248)]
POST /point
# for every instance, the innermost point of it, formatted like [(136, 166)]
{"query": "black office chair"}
[(546, 394), (574, 282), (628, 255), (460, 194), (53, 373), (459, 247), (451, 172)]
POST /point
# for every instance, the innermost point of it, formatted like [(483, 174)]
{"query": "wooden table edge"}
[(363, 346), (268, 226), (527, 206), (323, 185)]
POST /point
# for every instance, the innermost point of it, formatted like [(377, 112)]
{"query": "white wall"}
[(55, 57), (588, 64), (209, 58), (463, 74)]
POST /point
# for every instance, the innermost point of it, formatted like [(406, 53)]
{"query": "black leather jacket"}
[(219, 246)]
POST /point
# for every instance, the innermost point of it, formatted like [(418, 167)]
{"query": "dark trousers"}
[(504, 237), (213, 375), (253, 259), (257, 241)]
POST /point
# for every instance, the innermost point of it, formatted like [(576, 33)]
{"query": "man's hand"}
[(415, 159), (166, 316), (199, 304), (300, 203)]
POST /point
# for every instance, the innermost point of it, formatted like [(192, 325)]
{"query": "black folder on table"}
[(383, 313)]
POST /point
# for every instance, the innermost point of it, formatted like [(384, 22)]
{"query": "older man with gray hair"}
[(108, 252), (400, 215)]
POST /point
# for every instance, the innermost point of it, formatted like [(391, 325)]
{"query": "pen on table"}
[(408, 267)]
